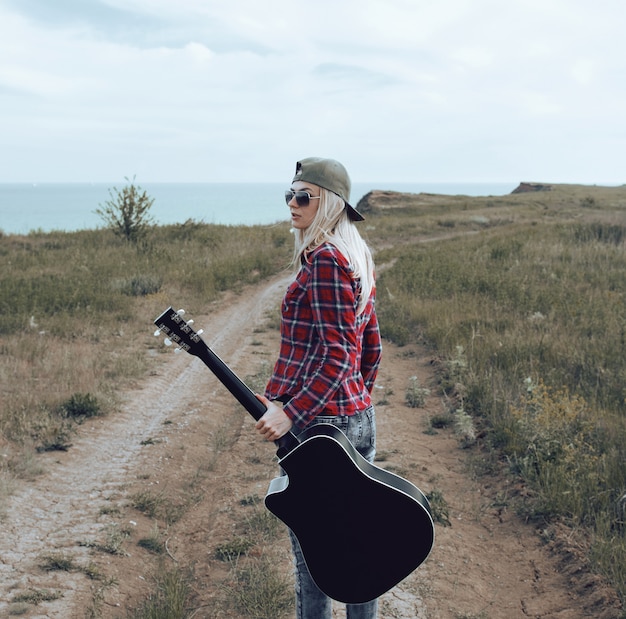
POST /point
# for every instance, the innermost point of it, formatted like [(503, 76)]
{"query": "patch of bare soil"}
[(181, 440)]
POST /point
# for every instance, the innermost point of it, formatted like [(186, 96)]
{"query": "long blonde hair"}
[(331, 224)]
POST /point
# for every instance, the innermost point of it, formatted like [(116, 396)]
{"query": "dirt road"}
[(180, 437)]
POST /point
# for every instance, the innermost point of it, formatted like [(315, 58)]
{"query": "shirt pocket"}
[(295, 297)]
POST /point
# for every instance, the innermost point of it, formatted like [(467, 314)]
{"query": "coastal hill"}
[(559, 194)]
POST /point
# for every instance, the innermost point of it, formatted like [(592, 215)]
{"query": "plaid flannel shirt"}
[(329, 356)]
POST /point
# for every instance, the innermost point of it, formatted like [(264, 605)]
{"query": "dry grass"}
[(77, 310), (538, 310), (519, 288)]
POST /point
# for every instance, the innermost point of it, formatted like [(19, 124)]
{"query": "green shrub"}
[(36, 596), (556, 450), (153, 542), (261, 591), (140, 285), (233, 549), (81, 406), (415, 396), (170, 598), (58, 562), (127, 212)]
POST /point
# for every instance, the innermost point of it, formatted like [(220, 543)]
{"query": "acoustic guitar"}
[(362, 529)]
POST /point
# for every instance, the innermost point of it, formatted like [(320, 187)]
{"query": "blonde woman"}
[(330, 341)]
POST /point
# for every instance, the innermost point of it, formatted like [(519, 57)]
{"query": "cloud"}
[(201, 89)]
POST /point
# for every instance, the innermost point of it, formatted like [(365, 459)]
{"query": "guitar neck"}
[(244, 395)]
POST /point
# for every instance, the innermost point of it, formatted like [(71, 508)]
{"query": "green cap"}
[(329, 174)]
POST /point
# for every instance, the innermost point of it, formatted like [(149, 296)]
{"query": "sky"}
[(238, 90)]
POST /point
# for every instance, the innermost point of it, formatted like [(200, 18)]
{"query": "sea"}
[(45, 207)]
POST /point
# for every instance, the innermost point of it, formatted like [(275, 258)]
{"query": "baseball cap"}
[(329, 174)]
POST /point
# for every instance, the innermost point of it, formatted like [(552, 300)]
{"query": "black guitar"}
[(362, 529)]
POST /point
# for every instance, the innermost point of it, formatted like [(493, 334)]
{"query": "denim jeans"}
[(311, 603)]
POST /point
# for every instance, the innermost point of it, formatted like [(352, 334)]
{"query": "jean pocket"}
[(339, 421), (370, 416)]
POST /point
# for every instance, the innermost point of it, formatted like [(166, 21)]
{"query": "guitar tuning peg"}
[(167, 341), (180, 312), (178, 350), (157, 333), (200, 331), (190, 321)]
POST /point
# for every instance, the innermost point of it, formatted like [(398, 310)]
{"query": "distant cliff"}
[(527, 187), (383, 199), (379, 199)]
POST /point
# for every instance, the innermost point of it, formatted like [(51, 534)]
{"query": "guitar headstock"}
[(179, 332)]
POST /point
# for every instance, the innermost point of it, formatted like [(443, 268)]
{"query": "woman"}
[(330, 342)]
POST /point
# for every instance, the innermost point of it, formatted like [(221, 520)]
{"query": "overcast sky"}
[(237, 90)]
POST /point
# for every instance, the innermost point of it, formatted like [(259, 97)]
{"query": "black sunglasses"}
[(302, 197)]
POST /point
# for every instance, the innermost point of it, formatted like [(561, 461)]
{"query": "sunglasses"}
[(302, 197)]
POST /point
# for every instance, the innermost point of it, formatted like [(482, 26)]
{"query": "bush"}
[(170, 598), (556, 450), (415, 396), (80, 406), (126, 213), (140, 285)]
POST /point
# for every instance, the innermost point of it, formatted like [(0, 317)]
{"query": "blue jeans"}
[(311, 603)]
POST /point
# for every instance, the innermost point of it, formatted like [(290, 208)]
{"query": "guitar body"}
[(361, 529)]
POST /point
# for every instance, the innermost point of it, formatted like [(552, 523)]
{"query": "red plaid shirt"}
[(329, 356)]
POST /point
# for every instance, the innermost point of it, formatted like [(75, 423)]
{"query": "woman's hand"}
[(274, 423)]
